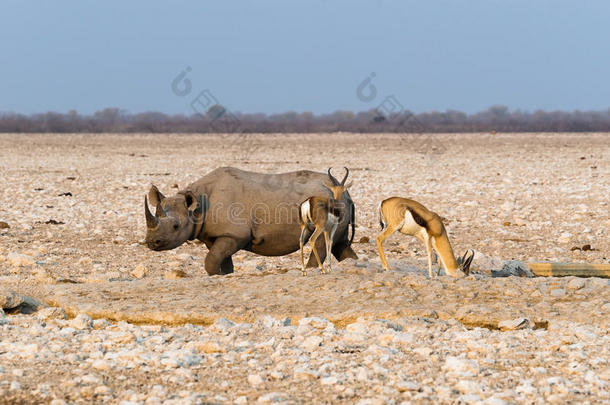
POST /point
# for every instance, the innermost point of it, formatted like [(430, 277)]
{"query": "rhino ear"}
[(155, 196), (196, 204), (191, 201)]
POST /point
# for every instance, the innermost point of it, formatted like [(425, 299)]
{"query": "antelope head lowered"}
[(177, 219), (411, 218)]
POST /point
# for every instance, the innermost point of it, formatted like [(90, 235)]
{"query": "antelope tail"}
[(381, 219)]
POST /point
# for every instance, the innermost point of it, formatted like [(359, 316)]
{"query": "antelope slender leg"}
[(386, 233), (326, 240), (313, 239), (430, 253), (330, 245)]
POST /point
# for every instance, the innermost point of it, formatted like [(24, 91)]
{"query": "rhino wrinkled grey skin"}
[(231, 209)]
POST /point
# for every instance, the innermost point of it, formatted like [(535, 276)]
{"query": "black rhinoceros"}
[(231, 209)]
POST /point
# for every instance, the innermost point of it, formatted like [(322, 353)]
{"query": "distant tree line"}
[(218, 119)]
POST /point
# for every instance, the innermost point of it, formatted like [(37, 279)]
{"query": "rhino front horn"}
[(151, 220)]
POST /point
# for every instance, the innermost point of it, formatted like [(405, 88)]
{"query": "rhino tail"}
[(353, 222)]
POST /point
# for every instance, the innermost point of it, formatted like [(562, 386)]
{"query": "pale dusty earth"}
[(128, 325)]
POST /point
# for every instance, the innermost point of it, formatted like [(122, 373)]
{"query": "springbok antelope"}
[(411, 218), (323, 214)]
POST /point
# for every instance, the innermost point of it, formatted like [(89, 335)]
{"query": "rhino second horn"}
[(151, 220)]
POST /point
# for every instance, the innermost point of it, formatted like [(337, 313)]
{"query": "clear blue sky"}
[(276, 56)]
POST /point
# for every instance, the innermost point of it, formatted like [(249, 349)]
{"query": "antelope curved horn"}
[(151, 220), (345, 177), (467, 260)]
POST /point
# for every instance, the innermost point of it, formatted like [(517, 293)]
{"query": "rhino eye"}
[(176, 226)]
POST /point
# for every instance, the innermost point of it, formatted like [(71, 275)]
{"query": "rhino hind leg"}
[(342, 250), (341, 247), (218, 260)]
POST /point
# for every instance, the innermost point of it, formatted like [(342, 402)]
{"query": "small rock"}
[(82, 322), (525, 387), (101, 365), (255, 380), (514, 324), (357, 327), (100, 323), (468, 399), (312, 343), (576, 284), (207, 347), (403, 338), (222, 325), (241, 400), (271, 397), (468, 386), (49, 313), (175, 274), (329, 380), (513, 268), (423, 351), (305, 373), (351, 338), (407, 386), (19, 259), (493, 400), (558, 292), (9, 299), (4, 225), (362, 374), (364, 239), (102, 390), (316, 323), (90, 379), (461, 366), (139, 271), (15, 386)]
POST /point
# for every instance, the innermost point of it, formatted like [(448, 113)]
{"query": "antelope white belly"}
[(410, 227)]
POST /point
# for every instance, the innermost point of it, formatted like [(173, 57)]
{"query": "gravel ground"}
[(154, 328)]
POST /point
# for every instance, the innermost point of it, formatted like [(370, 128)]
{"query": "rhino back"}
[(239, 197)]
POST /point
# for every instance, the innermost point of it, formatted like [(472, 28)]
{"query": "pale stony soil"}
[(353, 335)]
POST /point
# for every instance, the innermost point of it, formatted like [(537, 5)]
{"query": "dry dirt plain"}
[(265, 334)]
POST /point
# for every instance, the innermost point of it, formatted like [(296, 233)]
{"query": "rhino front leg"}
[(227, 265), (218, 259), (320, 248)]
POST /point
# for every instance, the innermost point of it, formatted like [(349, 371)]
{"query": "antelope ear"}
[(155, 196), (328, 185)]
